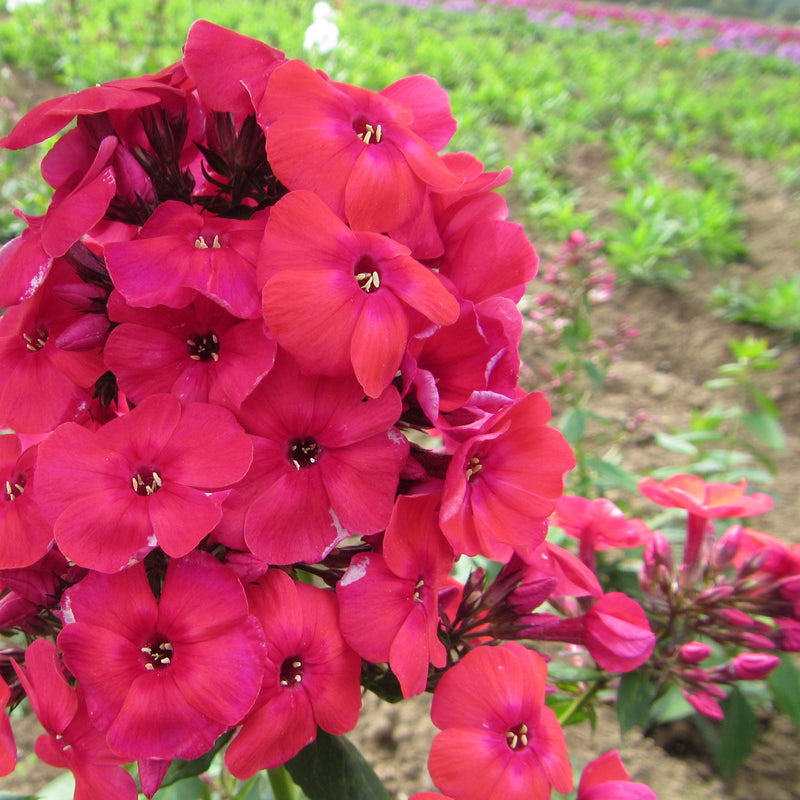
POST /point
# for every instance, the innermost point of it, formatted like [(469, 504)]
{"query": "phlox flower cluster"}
[(259, 370)]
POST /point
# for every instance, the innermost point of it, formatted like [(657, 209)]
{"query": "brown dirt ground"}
[(662, 372)]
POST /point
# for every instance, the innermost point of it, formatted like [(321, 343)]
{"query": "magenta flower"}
[(312, 678), (370, 156), (32, 359), (200, 353), (504, 482), (71, 741), (148, 478), (389, 602), (210, 255), (618, 635), (25, 536), (606, 778), (151, 668), (362, 291), (8, 747), (321, 445), (498, 740)]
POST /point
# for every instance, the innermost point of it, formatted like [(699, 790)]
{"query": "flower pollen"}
[(37, 340), (474, 468), (204, 348), (14, 490), (146, 482), (157, 656), (304, 452), (201, 244), (517, 737), (367, 275), (291, 671), (368, 133)]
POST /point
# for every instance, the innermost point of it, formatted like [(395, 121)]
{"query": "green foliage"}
[(774, 305)]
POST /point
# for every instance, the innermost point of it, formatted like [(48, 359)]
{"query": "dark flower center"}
[(291, 671), (36, 340), (204, 348), (146, 482), (517, 737), (367, 274), (304, 452), (158, 654), (366, 131), (14, 487)]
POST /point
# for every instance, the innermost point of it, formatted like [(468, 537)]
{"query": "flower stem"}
[(579, 702), (283, 787)]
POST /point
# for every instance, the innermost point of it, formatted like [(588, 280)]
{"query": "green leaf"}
[(612, 476), (189, 789), (732, 740), (675, 444), (331, 768), (573, 424), (559, 671), (7, 796), (634, 700), (784, 681), (766, 429)]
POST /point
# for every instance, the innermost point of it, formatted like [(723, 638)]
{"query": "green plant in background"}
[(774, 305), (736, 439)]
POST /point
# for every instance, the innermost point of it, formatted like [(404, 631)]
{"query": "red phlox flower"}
[(148, 478), (774, 556), (210, 255), (605, 778), (705, 499), (71, 741), (321, 445), (42, 384), (248, 64), (312, 677), (25, 536), (503, 482), (389, 608), (598, 525), (51, 116), (200, 353), (371, 156), (617, 633), (489, 258), (153, 670), (8, 747), (361, 290), (498, 740), (474, 354), (573, 577), (24, 264)]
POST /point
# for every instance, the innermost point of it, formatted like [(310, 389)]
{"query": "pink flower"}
[(360, 291), (8, 748), (32, 359), (498, 740), (148, 478), (71, 741), (25, 536), (618, 635), (606, 778), (370, 156), (504, 481), (199, 353), (210, 255), (151, 668), (312, 677), (598, 525), (389, 607), (326, 465), (705, 499)]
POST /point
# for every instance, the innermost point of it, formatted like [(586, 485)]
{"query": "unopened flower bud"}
[(704, 703), (753, 666), (714, 595), (727, 546), (694, 652)]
